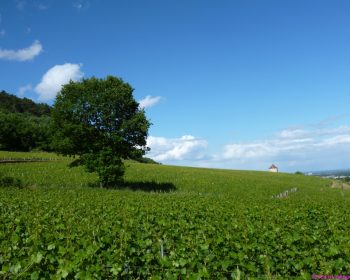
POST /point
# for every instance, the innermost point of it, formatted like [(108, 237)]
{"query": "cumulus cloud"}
[(149, 101), (175, 149), (23, 54), (22, 90), (55, 78)]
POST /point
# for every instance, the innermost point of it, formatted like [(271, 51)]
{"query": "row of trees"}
[(24, 124), (97, 121)]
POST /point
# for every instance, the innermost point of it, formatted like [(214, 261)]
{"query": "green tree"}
[(99, 121), (12, 104), (24, 132)]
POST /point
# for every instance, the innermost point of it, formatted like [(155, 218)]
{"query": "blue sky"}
[(227, 84)]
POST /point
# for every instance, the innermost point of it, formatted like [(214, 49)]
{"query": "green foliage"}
[(13, 104), (99, 121), (109, 168), (299, 173), (146, 160), (345, 179), (33, 155), (8, 181), (23, 132), (24, 124), (217, 224)]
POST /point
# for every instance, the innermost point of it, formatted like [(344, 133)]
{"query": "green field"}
[(169, 222), (29, 156)]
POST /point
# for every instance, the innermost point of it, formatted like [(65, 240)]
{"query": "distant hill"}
[(12, 104), (331, 173), (146, 160)]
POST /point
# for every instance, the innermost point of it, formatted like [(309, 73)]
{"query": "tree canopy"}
[(12, 104), (99, 121), (24, 132), (24, 124)]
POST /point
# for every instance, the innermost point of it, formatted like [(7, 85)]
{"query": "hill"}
[(12, 104), (331, 173), (169, 222), (24, 124)]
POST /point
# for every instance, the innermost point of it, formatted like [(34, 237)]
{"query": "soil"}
[(340, 185)]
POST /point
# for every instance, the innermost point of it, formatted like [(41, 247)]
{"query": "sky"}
[(236, 84)]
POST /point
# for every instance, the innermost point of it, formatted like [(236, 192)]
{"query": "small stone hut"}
[(273, 168)]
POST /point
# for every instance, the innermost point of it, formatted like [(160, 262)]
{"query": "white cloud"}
[(335, 141), (303, 148), (22, 54), (266, 148), (55, 78), (22, 90), (318, 148), (318, 132), (149, 101), (292, 133), (170, 149), (247, 150)]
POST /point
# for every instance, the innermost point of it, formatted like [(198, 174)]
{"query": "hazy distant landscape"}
[(332, 173)]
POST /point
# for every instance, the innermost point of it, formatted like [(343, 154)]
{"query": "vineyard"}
[(169, 222)]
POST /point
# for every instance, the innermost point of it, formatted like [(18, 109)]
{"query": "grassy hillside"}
[(170, 222), (22, 156)]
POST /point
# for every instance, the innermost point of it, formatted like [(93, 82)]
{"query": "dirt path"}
[(340, 185)]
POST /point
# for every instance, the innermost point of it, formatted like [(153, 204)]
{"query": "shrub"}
[(7, 181)]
